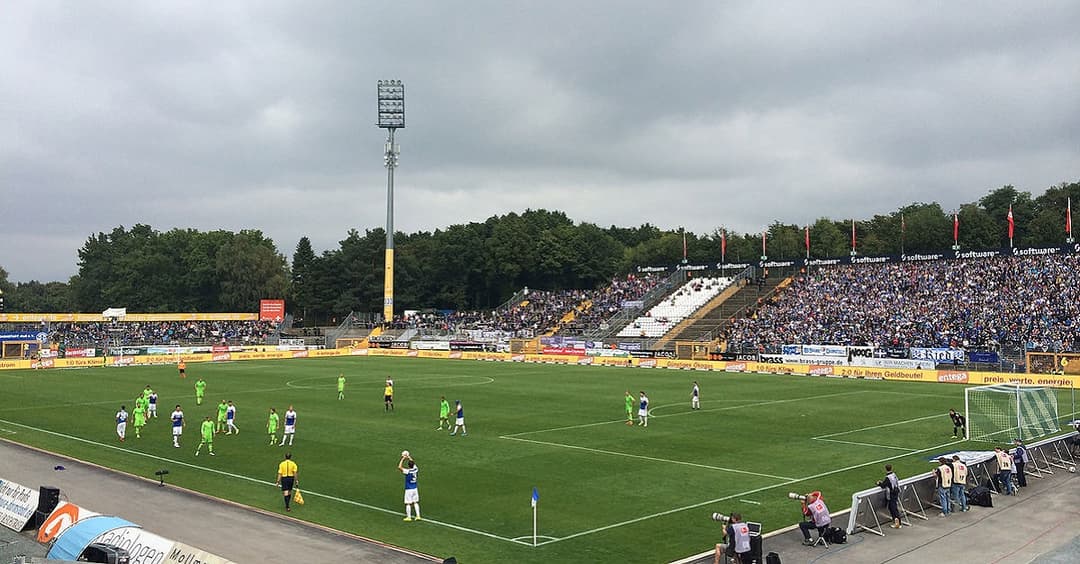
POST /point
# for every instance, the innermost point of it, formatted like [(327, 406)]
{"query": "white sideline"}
[(643, 457), (263, 482)]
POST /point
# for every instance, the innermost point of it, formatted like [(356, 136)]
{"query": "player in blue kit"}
[(230, 420), (290, 427), (177, 425), (121, 422), (643, 410), (412, 495), (460, 423)]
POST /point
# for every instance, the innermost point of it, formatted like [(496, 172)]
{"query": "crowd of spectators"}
[(160, 333), (1022, 303)]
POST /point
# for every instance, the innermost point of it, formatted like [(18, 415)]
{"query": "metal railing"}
[(625, 316)]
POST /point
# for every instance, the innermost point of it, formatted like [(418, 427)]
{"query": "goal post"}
[(1003, 412)]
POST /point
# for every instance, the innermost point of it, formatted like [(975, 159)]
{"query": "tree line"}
[(480, 265)]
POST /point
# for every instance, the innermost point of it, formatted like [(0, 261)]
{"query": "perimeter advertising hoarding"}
[(64, 516), (1071, 248)]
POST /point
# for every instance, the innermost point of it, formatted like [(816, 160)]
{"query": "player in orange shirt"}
[(181, 366)]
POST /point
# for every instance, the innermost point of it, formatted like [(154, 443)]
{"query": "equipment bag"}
[(835, 535), (980, 496), (772, 558)]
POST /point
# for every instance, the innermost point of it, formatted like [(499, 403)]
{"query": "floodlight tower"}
[(391, 117)]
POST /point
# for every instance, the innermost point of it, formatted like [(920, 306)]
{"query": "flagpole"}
[(1068, 221), (534, 524)]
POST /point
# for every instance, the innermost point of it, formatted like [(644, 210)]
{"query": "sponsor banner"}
[(80, 353), (922, 257), (454, 354), (585, 360), (65, 515), (952, 377), (652, 269), (48, 353), (647, 363), (221, 357), (16, 364), (893, 363), (664, 354), (273, 310), (181, 553), (812, 359), (641, 354), (399, 345), (814, 350), (563, 350), (44, 363), (632, 304), (607, 353), (37, 336), (292, 342), (358, 352), (466, 346), (820, 370), (984, 357), (431, 345), (937, 354), (142, 546), (290, 348), (221, 348), (633, 346), (611, 361), (884, 373), (17, 504), (299, 354)]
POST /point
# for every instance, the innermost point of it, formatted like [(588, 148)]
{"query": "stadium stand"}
[(1029, 303), (662, 317), (161, 333)]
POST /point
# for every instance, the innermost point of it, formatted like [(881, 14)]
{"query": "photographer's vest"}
[(820, 513), (959, 473), (1004, 461), (944, 475), (742, 537)]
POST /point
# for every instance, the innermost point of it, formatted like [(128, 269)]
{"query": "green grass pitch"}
[(608, 492)]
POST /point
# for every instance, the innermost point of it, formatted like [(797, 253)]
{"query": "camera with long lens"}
[(797, 496), (721, 518)]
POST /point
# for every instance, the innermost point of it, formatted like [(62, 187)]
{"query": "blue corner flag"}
[(535, 497)]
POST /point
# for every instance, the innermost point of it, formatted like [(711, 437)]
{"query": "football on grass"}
[(404, 454)]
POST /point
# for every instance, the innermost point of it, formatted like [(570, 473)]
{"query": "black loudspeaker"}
[(37, 520), (450, 560), (48, 499)]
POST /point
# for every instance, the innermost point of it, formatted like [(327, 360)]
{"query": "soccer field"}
[(608, 492)]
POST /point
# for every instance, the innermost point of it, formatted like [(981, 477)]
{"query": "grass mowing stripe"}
[(863, 444), (755, 404), (882, 426), (258, 481), (740, 494), (643, 457)]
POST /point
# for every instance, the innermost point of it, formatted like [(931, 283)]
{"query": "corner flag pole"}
[(535, 498)]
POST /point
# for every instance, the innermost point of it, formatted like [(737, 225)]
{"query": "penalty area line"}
[(262, 482), (863, 444), (643, 457)]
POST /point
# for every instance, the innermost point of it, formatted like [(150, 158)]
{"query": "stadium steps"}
[(709, 324), (709, 307)]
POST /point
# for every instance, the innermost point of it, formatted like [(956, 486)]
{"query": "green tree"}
[(303, 261), (249, 268)]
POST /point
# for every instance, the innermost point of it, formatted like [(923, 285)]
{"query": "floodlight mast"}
[(391, 95)]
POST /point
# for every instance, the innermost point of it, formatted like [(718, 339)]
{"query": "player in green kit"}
[(271, 425), (200, 391), (629, 408), (139, 413), (207, 431), (140, 401), (444, 414), (221, 409), (341, 386)]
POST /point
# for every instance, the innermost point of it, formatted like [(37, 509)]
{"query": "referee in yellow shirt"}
[(286, 477), (388, 395)]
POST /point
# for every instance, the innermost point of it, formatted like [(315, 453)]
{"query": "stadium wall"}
[(857, 372)]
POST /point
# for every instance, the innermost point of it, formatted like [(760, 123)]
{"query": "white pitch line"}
[(740, 494), (878, 426), (263, 482), (643, 457), (729, 408), (863, 444), (750, 501)]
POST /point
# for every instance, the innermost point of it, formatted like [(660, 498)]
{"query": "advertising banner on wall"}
[(17, 504), (64, 516)]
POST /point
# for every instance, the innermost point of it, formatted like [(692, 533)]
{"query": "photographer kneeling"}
[(736, 540), (815, 510)]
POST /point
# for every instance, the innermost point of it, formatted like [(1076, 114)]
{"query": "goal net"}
[(1003, 412)]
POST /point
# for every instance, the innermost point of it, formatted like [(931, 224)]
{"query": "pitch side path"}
[(1041, 526), (227, 529)]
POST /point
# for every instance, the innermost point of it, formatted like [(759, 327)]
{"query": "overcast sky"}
[(259, 114)]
